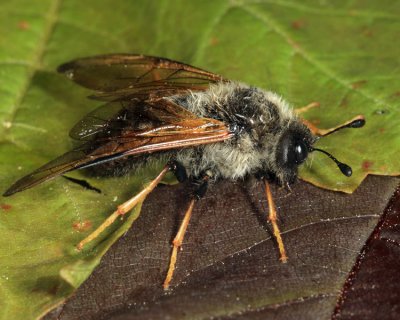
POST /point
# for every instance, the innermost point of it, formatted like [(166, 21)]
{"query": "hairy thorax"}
[(255, 116), (228, 159)]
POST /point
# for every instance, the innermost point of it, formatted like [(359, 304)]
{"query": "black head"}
[(297, 142), (293, 149)]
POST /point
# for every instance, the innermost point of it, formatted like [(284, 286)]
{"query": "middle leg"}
[(178, 240)]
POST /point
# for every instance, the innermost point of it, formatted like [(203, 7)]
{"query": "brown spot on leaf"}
[(383, 168), (23, 25), (49, 284), (53, 289), (82, 226), (367, 32), (344, 102), (214, 41), (358, 84), (382, 130), (298, 24), (366, 165), (5, 206), (396, 94)]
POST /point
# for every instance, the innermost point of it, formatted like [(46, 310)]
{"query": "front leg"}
[(273, 218), (267, 178)]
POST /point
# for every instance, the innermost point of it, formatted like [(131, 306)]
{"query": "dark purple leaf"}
[(229, 268)]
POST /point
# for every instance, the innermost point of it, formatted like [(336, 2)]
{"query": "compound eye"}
[(300, 152)]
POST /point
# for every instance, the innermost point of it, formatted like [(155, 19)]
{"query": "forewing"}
[(178, 128), (98, 121), (125, 76), (110, 119), (67, 162)]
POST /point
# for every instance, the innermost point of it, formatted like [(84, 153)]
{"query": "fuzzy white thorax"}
[(235, 158)]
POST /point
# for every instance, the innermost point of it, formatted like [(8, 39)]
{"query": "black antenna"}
[(344, 168), (357, 123)]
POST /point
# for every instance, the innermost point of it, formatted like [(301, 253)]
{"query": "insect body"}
[(203, 126), (260, 124)]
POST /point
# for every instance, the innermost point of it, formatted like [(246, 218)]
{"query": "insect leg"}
[(125, 207), (177, 242), (273, 218), (307, 107)]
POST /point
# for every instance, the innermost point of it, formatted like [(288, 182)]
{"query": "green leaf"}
[(343, 56)]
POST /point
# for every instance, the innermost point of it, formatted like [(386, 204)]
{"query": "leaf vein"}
[(330, 11), (103, 34), (38, 55), (306, 56), (205, 40)]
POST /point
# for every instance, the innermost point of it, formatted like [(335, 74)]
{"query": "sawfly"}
[(202, 126)]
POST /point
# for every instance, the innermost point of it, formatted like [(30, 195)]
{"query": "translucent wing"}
[(163, 126), (99, 120), (138, 119), (111, 119), (125, 76)]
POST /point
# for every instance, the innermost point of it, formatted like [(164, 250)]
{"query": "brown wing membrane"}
[(99, 120), (118, 117), (125, 76), (177, 128)]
